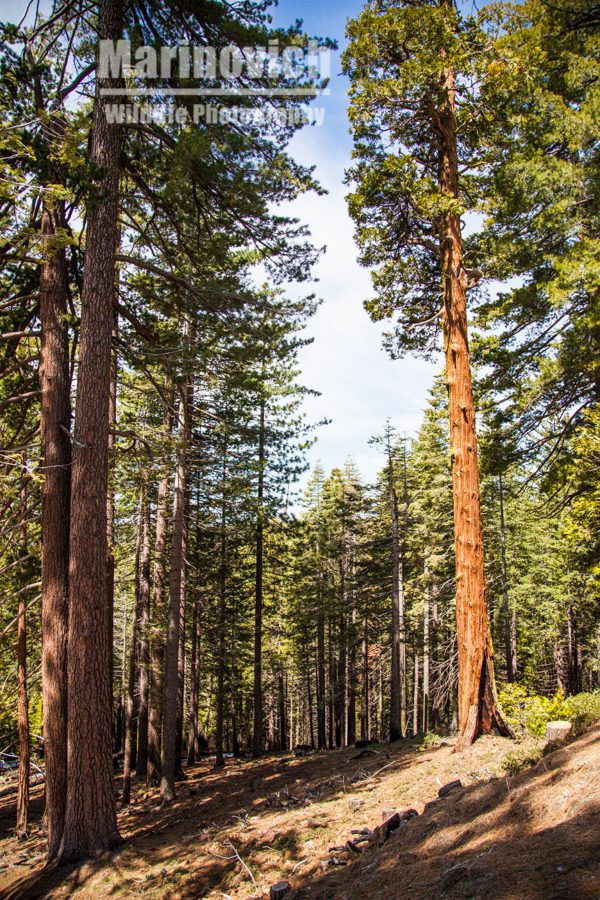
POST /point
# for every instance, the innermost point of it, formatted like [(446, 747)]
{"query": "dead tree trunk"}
[(90, 817), (477, 699)]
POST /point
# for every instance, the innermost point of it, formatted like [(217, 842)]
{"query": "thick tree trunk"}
[(170, 765), (110, 497), (158, 602), (144, 646), (55, 426), (477, 700), (257, 738), (90, 818)]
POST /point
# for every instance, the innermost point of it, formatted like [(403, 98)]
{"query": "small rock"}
[(387, 814), (314, 823), (356, 803)]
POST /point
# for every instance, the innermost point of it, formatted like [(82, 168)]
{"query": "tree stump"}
[(279, 890), (557, 731)]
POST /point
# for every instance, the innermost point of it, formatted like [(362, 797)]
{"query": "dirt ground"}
[(234, 832)]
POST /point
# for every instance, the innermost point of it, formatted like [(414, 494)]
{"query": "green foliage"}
[(521, 758), (530, 713)]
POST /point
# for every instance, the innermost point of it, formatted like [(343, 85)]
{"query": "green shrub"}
[(531, 712), (520, 758), (430, 741)]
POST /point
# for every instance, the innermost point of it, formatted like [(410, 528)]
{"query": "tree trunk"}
[(192, 747), (477, 700), (22, 702), (282, 714), (398, 675), (90, 817), (110, 497), (144, 646), (365, 725), (158, 603), (169, 762), (416, 697), (321, 725), (351, 722), (220, 760), (511, 660), (55, 426), (426, 655), (133, 645), (257, 738)]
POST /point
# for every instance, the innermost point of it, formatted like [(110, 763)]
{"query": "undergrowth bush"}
[(529, 713), (521, 758)]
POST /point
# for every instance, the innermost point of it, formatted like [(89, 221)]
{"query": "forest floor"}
[(234, 832)]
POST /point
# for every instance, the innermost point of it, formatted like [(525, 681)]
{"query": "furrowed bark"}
[(55, 425), (477, 700), (90, 817)]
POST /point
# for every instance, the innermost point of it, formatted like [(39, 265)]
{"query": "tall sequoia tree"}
[(416, 122)]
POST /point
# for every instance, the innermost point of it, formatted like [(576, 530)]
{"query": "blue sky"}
[(360, 385)]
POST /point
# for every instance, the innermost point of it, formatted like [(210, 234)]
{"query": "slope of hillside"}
[(233, 833)]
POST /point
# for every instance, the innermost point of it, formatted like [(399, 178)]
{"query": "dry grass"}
[(233, 833)]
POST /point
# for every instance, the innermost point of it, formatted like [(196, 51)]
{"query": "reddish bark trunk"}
[(55, 424), (477, 703)]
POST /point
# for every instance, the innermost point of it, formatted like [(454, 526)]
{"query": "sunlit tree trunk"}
[(477, 700)]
